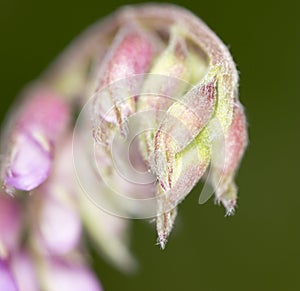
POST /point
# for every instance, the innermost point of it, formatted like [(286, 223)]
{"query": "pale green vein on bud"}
[(192, 159), (188, 167), (197, 67), (226, 80), (225, 102), (174, 63), (173, 60)]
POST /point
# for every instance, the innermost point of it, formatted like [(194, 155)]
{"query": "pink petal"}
[(67, 276), (10, 222), (131, 53), (60, 226), (37, 127), (30, 164), (24, 271)]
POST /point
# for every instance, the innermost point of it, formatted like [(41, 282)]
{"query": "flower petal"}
[(7, 282)]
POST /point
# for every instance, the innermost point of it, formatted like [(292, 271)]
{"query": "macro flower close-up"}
[(140, 114)]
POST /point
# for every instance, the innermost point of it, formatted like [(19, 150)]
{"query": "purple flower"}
[(35, 129)]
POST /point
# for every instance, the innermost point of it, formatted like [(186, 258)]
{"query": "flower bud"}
[(34, 132), (192, 86), (183, 122), (183, 142), (181, 156), (164, 85), (173, 120), (131, 53)]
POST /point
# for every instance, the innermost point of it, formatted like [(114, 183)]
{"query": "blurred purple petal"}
[(60, 226), (7, 282), (30, 164), (67, 276), (24, 272), (10, 222), (38, 125), (44, 111), (59, 223)]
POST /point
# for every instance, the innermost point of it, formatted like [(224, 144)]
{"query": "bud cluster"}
[(153, 75)]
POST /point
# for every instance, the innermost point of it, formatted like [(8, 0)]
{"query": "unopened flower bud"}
[(183, 122), (182, 143), (157, 62), (130, 54), (164, 85), (178, 146)]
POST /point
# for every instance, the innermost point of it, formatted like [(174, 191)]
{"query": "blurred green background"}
[(258, 248)]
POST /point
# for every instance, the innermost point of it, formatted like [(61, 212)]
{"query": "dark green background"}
[(258, 248)]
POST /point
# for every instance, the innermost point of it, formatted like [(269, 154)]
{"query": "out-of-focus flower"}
[(10, 224), (7, 281), (110, 234), (68, 275), (55, 205), (24, 270), (62, 219), (156, 90), (35, 129)]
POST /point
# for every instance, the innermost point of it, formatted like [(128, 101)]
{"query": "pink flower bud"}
[(183, 122), (179, 150), (177, 145), (165, 85), (130, 54), (35, 130)]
